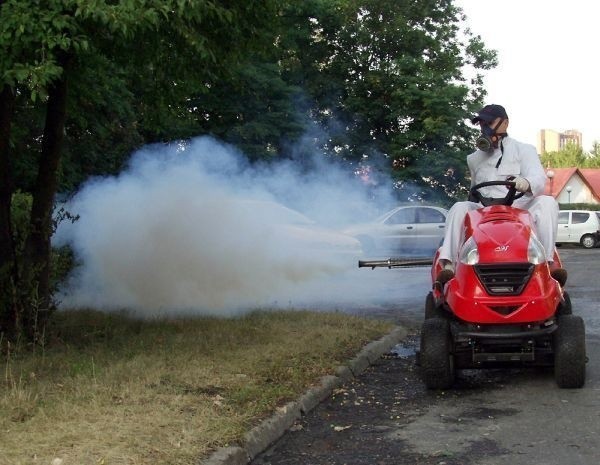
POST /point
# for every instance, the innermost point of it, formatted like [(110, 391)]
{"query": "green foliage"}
[(389, 85), (579, 206), (140, 65), (102, 127), (572, 156), (30, 35), (61, 259), (62, 263), (255, 111), (21, 208), (383, 79)]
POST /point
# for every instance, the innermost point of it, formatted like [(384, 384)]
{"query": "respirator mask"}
[(488, 140)]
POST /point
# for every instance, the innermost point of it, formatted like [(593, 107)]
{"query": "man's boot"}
[(446, 273), (558, 273)]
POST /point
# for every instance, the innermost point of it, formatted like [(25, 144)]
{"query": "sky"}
[(546, 76)]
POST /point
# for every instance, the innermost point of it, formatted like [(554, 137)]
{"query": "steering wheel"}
[(508, 200)]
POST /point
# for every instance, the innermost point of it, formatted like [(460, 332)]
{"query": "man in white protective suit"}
[(502, 158)]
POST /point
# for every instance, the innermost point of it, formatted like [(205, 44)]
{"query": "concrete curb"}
[(266, 433)]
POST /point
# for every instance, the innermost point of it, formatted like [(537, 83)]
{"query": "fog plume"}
[(189, 228)]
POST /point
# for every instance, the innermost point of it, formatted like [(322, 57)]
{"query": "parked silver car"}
[(406, 230)]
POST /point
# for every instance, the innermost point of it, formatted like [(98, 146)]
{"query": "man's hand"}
[(521, 184)]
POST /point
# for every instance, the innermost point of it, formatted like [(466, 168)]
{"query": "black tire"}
[(431, 310), (436, 358), (565, 307), (588, 241), (569, 352)]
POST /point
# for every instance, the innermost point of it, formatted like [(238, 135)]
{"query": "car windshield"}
[(394, 215), (274, 213)]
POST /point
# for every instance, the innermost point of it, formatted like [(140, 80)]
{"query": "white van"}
[(579, 227)]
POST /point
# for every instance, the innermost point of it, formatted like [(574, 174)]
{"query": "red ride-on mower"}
[(502, 306)]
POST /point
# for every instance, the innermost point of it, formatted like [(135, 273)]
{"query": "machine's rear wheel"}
[(569, 352), (436, 358)]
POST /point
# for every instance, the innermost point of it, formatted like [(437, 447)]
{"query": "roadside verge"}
[(268, 431)]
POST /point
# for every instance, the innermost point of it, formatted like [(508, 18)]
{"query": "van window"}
[(579, 217), (563, 217)]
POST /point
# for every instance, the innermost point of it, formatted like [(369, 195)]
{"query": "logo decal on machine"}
[(501, 248)]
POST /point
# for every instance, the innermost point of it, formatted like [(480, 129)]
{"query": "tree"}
[(571, 156), (595, 152), (391, 85), (7, 251), (36, 58), (253, 109), (46, 48)]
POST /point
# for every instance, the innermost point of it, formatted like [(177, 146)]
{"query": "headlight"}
[(469, 254), (535, 251)]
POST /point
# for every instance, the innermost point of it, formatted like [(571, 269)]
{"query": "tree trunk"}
[(37, 248), (9, 323)]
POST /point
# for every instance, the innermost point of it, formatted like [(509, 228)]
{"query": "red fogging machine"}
[(503, 304)]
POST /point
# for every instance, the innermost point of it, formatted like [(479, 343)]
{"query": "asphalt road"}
[(515, 416)]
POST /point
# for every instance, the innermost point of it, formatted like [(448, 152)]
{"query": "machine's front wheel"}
[(436, 358), (565, 307), (431, 309), (569, 352)]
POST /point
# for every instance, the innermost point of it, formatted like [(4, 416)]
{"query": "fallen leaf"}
[(341, 428)]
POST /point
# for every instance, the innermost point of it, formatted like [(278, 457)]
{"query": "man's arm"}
[(532, 169)]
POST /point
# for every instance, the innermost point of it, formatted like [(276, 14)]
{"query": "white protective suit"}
[(514, 159)]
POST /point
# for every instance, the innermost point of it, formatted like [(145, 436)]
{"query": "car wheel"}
[(432, 310), (436, 358), (569, 352), (588, 241)]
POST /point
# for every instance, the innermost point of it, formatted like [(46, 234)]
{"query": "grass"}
[(110, 389)]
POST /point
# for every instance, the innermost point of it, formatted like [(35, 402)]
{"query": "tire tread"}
[(436, 358), (569, 352)]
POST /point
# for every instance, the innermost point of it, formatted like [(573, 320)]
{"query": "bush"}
[(20, 213), (579, 206), (21, 308), (61, 259)]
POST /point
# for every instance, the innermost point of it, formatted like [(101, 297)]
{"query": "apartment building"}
[(552, 141)]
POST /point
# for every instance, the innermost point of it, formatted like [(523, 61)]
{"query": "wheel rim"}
[(588, 242)]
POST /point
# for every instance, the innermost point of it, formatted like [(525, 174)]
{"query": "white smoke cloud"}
[(180, 230)]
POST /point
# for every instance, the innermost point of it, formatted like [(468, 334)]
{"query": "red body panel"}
[(502, 235)]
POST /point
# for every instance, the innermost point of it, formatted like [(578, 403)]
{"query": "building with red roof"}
[(574, 185)]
